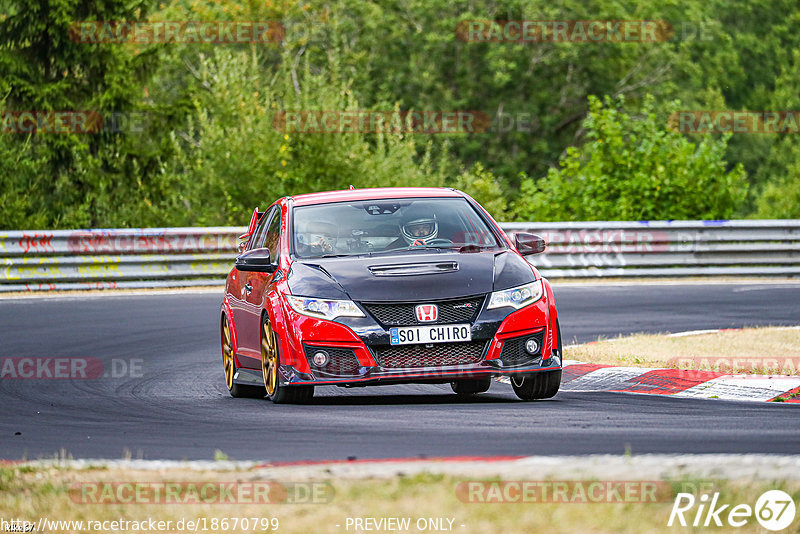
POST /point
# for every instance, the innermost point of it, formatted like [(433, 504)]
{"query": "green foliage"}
[(18, 175), (778, 178), (236, 154), (209, 151), (484, 187), (535, 93), (781, 199), (635, 168), (69, 180)]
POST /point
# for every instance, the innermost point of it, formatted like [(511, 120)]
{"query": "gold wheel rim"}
[(269, 359), (227, 353)]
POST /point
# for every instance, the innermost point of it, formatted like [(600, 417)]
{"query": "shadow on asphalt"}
[(394, 400)]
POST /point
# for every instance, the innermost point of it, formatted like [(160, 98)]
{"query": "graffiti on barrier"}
[(36, 243), (97, 242)]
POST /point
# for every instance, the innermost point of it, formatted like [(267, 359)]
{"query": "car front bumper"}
[(358, 349)]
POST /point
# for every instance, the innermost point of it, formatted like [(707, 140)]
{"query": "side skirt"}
[(248, 377)]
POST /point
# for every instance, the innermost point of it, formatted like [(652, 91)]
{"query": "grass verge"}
[(765, 350), (32, 493)]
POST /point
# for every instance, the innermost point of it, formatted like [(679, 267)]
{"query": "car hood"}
[(409, 276)]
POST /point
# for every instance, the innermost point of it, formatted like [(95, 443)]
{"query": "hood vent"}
[(414, 269)]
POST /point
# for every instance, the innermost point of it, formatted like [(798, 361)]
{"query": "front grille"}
[(343, 362), (438, 355), (462, 310), (514, 352)]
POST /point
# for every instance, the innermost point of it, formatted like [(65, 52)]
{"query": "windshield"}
[(378, 226)]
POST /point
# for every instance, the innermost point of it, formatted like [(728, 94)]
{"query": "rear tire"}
[(463, 388), (270, 363)]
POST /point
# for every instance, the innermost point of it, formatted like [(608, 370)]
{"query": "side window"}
[(260, 231), (273, 235)]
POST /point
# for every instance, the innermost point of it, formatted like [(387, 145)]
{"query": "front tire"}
[(229, 366), (464, 388), (270, 362), (540, 385), (537, 386)]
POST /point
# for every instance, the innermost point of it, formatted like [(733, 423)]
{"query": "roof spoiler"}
[(253, 221)]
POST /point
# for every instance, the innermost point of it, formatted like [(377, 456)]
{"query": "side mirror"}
[(256, 260), (528, 244)]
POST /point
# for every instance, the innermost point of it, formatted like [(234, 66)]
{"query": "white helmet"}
[(420, 230)]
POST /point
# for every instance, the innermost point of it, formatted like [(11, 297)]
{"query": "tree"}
[(82, 177), (634, 168), (237, 154)]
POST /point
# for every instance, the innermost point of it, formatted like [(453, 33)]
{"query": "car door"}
[(257, 285), (241, 307)]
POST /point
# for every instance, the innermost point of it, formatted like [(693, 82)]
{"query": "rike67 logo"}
[(774, 510)]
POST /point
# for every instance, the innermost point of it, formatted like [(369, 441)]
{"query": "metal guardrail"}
[(667, 248), (115, 258), (181, 257)]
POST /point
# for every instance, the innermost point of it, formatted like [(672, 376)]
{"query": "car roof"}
[(376, 193)]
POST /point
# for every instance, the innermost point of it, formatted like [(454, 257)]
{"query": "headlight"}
[(517, 297), (323, 308)]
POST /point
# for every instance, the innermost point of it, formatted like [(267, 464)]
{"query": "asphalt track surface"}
[(178, 407)]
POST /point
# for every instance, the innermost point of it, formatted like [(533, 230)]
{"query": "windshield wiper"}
[(456, 248), (475, 248), (305, 258)]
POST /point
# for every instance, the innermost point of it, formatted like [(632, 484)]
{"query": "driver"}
[(317, 237), (419, 231)]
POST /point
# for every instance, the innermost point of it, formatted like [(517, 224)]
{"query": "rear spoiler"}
[(253, 221)]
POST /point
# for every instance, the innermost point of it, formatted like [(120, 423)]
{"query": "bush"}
[(234, 155), (635, 168), (484, 187)]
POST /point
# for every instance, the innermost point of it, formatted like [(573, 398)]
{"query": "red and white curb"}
[(582, 376), (579, 376)]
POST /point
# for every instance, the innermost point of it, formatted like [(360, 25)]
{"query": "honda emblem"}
[(427, 313)]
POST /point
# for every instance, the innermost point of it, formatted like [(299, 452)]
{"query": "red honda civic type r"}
[(386, 286)]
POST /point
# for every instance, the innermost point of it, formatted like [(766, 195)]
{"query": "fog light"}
[(320, 358), (532, 346)]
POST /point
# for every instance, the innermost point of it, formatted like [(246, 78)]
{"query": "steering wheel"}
[(437, 242)]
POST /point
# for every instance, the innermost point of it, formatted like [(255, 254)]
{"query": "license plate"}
[(446, 333)]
